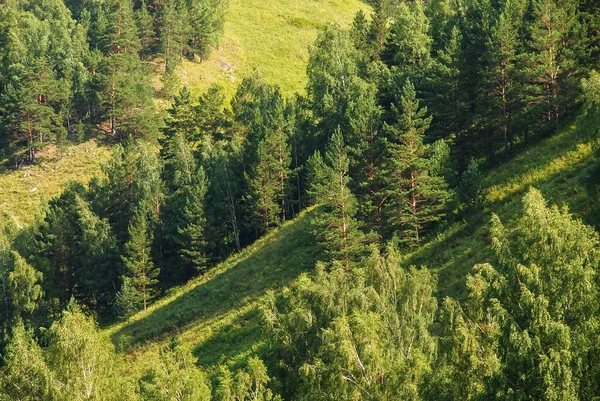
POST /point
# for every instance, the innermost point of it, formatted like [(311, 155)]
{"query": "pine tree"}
[(207, 21), (124, 86), (556, 40), (192, 238), (502, 74), (336, 226), (145, 25), (417, 197), (268, 185), (137, 257)]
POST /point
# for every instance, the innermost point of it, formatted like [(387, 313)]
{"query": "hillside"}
[(270, 36), (217, 318)]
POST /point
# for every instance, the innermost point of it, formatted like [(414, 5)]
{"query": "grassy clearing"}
[(271, 36), (217, 315), (23, 192), (557, 166)]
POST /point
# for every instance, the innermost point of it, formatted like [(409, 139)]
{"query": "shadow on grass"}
[(232, 341), (272, 262)]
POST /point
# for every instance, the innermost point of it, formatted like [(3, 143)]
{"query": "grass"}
[(558, 166), (23, 192), (217, 315), (270, 36)]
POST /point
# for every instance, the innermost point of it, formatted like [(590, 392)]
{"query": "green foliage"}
[(359, 334), (175, 376), (249, 384), (137, 257), (192, 236), (127, 301), (536, 307), (470, 188), (24, 286), (336, 225), (417, 195)]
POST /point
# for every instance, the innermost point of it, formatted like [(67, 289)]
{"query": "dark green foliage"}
[(416, 194), (127, 301), (192, 235), (470, 188), (336, 225), (137, 257)]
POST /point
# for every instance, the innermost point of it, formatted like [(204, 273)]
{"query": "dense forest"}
[(401, 117)]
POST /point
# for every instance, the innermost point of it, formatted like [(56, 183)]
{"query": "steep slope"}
[(271, 36), (558, 166), (217, 315)]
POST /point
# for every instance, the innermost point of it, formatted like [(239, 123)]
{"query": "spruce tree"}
[(336, 225), (192, 237), (269, 180), (417, 196), (137, 257)]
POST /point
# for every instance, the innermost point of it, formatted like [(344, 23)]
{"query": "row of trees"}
[(367, 328)]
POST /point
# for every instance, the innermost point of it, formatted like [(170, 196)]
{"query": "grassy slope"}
[(217, 316), (557, 166), (23, 192), (272, 36)]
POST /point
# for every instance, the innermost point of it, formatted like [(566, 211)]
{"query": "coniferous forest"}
[(367, 238)]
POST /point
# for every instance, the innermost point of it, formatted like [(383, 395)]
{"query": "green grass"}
[(23, 192), (271, 36), (216, 316), (558, 166)]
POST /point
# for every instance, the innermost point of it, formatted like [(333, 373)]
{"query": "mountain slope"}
[(217, 315), (271, 36)]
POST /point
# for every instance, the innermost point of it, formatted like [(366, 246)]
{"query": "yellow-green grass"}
[(272, 36), (24, 191), (558, 166), (217, 315)]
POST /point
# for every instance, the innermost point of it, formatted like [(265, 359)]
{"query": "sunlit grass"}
[(24, 191), (270, 36)]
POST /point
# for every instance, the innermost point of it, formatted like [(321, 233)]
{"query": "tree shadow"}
[(272, 262)]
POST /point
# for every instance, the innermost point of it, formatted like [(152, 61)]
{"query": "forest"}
[(406, 117)]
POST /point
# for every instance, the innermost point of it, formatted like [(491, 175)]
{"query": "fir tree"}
[(137, 257), (268, 185), (192, 238), (336, 226), (417, 197)]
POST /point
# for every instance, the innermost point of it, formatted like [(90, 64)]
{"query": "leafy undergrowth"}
[(558, 166), (24, 191), (217, 315), (271, 36)]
